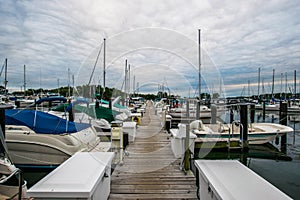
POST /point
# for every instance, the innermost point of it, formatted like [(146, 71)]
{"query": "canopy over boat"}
[(42, 122)]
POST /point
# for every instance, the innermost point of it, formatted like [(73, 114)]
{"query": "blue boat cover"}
[(52, 98), (42, 122)]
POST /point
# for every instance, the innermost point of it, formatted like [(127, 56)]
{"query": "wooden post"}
[(213, 113), (71, 116), (283, 121), (187, 149), (187, 109), (198, 110), (97, 104), (231, 115), (252, 113), (244, 128)]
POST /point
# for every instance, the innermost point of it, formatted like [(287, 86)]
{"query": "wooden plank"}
[(153, 196), (149, 170)]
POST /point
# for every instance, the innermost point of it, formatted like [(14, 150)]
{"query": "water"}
[(282, 170), (266, 160)]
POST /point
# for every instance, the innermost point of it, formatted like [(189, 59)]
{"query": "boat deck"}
[(149, 169)]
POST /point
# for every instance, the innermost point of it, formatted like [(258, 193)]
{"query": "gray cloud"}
[(52, 36)]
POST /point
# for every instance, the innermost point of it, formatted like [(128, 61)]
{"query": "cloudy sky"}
[(159, 38)]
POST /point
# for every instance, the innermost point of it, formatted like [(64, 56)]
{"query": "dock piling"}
[(231, 115), (244, 127), (264, 111), (252, 113), (187, 149), (283, 121)]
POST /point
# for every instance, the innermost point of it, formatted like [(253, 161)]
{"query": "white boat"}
[(9, 175), (268, 107), (205, 112), (258, 133), (39, 139)]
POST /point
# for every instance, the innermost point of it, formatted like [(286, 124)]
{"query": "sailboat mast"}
[(258, 82), (295, 84), (199, 72), (69, 90), (5, 77), (273, 83), (125, 81), (104, 49), (24, 80)]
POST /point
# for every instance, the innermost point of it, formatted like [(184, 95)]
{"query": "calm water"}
[(282, 171), (284, 174)]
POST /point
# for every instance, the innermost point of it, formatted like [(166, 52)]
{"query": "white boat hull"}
[(32, 149)]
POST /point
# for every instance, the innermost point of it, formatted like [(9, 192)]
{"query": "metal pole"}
[(199, 72), (24, 80), (5, 77), (295, 85), (258, 84), (125, 89), (104, 49), (273, 77)]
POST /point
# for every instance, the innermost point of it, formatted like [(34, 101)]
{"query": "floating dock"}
[(149, 169)]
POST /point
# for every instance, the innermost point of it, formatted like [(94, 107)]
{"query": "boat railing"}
[(231, 132)]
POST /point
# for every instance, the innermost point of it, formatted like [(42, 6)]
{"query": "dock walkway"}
[(149, 169)]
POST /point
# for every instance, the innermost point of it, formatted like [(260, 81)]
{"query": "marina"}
[(114, 100), (152, 162)]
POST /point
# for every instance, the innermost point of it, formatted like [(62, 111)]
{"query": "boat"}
[(268, 107), (39, 139), (10, 185), (258, 133), (205, 112)]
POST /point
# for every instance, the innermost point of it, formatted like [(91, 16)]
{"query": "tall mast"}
[(128, 79), (24, 80), (258, 84), (295, 84), (58, 87), (281, 77), (273, 83), (5, 77), (104, 49), (133, 85), (125, 81), (199, 72), (69, 90)]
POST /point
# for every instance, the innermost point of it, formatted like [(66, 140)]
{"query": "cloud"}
[(236, 38)]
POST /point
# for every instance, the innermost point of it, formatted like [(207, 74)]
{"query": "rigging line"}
[(95, 64)]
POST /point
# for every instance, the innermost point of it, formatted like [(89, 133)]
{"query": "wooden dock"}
[(149, 169)]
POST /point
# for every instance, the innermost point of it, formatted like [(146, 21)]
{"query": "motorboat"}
[(258, 133), (11, 183), (39, 139), (204, 112)]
